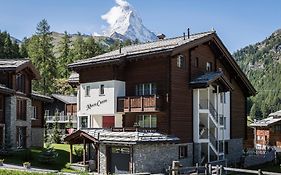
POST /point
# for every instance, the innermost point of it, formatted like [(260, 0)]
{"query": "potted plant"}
[(1, 162), (26, 165)]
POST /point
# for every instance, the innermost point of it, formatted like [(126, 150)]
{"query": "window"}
[(209, 66), (84, 122), (20, 82), (146, 89), (223, 97), (226, 147), (108, 121), (147, 121), (87, 91), (181, 61), (182, 152), (196, 62), (21, 109), (101, 89), (47, 113), (34, 112), (21, 137)]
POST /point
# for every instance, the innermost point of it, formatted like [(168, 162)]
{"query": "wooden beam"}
[(70, 154), (84, 151)]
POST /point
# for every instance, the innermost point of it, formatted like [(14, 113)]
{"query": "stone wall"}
[(37, 137), (154, 157), (189, 160), (235, 151), (102, 159), (12, 123), (253, 160)]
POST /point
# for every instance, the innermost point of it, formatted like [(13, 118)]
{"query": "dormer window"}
[(20, 82), (181, 61), (209, 67)]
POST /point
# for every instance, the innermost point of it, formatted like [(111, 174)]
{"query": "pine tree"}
[(40, 50), (79, 48), (92, 48), (23, 48), (65, 56)]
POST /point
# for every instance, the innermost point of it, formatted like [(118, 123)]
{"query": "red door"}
[(108, 122)]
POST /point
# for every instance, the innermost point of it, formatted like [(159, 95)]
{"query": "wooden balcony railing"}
[(151, 103)]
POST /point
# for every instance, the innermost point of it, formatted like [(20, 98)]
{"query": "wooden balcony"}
[(151, 103)]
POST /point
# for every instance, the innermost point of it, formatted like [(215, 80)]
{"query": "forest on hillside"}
[(262, 64)]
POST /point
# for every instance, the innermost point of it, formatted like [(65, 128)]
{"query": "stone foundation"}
[(37, 137), (235, 151)]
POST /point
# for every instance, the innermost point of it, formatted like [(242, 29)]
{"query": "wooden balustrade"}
[(149, 103)]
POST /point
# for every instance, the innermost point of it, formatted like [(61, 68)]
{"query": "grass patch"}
[(32, 155)]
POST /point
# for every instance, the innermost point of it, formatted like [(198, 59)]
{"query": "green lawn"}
[(32, 156)]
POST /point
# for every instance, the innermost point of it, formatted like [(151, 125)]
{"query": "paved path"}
[(21, 168)]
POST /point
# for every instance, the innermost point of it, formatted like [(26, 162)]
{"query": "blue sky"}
[(237, 22)]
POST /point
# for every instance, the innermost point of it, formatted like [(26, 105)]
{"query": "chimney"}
[(188, 33), (161, 36), (183, 35), (120, 47)]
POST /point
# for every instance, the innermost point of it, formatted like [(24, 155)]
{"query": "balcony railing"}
[(61, 119), (151, 103)]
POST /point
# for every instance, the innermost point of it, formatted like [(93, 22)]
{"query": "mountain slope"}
[(124, 23), (262, 64)]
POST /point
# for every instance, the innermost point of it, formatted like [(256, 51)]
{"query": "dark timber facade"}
[(166, 85)]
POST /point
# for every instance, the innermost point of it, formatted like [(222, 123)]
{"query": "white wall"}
[(224, 108), (95, 106)]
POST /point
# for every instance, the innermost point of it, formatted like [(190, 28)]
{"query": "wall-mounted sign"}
[(97, 104)]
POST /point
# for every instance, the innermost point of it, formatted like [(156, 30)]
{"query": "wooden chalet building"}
[(142, 106), (63, 110), (21, 111), (267, 131)]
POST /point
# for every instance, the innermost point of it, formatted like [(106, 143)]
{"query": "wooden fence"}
[(208, 169)]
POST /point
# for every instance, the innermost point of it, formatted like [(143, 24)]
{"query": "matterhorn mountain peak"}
[(124, 23)]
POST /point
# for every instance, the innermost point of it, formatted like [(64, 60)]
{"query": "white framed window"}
[(34, 113), (183, 150), (181, 61), (147, 121), (146, 89), (47, 113), (84, 121), (223, 97), (102, 89), (87, 91), (209, 66)]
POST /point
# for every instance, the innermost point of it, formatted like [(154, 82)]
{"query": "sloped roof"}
[(67, 99), (41, 97), (160, 45), (18, 65), (209, 77), (108, 136), (168, 46), (6, 90), (266, 122), (73, 78), (276, 114)]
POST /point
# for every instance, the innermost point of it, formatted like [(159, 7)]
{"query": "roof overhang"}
[(79, 137)]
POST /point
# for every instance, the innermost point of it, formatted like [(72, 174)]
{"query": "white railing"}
[(61, 119)]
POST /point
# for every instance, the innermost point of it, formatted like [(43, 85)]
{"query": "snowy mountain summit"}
[(124, 23)]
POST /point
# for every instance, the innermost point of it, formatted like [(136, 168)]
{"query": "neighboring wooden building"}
[(268, 131), (62, 110), (189, 87), (20, 111)]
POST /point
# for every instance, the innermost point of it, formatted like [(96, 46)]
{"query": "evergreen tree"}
[(65, 56), (79, 48), (40, 50), (92, 48), (23, 48)]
